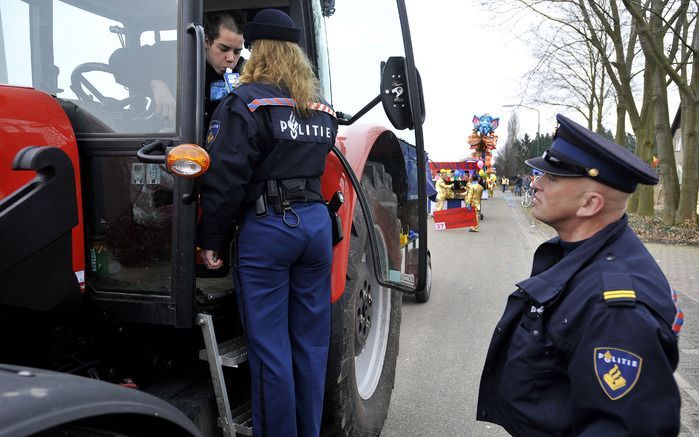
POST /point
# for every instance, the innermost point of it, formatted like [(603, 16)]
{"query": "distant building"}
[(676, 132)]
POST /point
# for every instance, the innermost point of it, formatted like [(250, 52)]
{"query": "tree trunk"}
[(620, 134), (666, 154), (641, 202), (686, 210)]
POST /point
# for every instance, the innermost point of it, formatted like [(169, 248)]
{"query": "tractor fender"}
[(34, 400), (358, 143), (34, 118)]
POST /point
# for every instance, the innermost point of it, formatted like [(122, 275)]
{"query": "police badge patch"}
[(617, 370), (214, 127)]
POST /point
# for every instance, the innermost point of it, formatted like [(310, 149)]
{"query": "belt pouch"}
[(261, 206)]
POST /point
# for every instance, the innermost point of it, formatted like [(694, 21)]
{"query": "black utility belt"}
[(264, 204), (278, 195), (283, 200)]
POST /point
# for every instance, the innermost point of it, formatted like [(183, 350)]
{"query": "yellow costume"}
[(473, 198), (491, 187), (444, 192)]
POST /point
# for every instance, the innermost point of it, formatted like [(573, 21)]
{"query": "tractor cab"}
[(99, 60)]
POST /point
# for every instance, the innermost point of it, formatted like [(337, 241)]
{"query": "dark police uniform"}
[(588, 344), (260, 146)]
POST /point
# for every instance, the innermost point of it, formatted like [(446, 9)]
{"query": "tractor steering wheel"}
[(78, 83)]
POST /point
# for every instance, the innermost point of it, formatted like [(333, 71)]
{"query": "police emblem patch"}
[(617, 370), (214, 127)]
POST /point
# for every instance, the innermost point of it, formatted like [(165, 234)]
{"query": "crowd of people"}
[(522, 183), (472, 193), (476, 189)]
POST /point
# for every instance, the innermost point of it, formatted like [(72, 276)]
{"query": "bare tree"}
[(570, 74), (679, 61), (613, 32), (506, 160)]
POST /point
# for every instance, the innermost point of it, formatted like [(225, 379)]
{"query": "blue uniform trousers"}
[(283, 286)]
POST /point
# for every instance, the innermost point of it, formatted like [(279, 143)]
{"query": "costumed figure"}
[(491, 185), (444, 192), (473, 200)]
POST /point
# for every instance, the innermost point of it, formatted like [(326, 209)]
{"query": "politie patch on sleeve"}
[(214, 127), (617, 370)]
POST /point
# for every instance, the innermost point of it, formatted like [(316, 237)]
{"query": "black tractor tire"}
[(423, 295), (365, 322)]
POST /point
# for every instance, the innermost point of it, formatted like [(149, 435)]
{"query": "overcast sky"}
[(469, 64)]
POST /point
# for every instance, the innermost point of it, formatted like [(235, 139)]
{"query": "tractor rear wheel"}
[(365, 322)]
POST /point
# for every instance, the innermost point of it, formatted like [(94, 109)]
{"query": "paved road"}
[(444, 342)]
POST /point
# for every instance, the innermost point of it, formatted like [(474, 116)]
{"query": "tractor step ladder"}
[(229, 354)]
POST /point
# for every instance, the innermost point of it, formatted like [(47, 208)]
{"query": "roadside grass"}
[(648, 229), (652, 230)]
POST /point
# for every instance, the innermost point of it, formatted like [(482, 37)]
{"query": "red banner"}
[(454, 218), (464, 165)]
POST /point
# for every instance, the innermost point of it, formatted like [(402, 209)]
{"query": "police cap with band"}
[(272, 24), (577, 151)]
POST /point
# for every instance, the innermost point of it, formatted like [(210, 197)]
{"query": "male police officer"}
[(588, 344)]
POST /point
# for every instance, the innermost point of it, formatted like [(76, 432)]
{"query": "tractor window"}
[(128, 225), (111, 64), (14, 20), (361, 35)]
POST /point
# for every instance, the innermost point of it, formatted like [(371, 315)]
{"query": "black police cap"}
[(577, 151), (272, 24)]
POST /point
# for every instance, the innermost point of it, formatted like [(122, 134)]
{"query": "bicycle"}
[(527, 199)]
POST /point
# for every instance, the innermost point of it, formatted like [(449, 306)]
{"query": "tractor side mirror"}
[(394, 94)]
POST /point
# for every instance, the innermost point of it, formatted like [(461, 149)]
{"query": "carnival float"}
[(452, 178)]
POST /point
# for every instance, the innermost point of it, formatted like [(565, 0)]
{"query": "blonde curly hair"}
[(284, 64)]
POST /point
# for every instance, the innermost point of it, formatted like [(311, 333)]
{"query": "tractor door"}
[(375, 84), (113, 66)]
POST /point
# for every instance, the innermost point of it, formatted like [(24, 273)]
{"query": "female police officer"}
[(268, 142)]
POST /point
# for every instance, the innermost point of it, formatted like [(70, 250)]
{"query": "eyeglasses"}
[(556, 162)]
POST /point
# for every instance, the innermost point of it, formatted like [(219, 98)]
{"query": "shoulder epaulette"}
[(619, 297), (616, 283)]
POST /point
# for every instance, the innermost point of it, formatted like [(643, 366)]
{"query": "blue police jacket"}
[(256, 135), (586, 345)]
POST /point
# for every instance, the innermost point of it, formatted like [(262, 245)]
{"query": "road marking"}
[(687, 387)]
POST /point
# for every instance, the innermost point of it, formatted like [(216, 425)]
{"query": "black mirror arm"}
[(147, 152), (369, 106)]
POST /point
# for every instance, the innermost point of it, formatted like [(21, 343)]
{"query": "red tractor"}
[(109, 323)]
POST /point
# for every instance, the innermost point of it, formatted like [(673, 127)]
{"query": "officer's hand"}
[(211, 259), (164, 101)]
